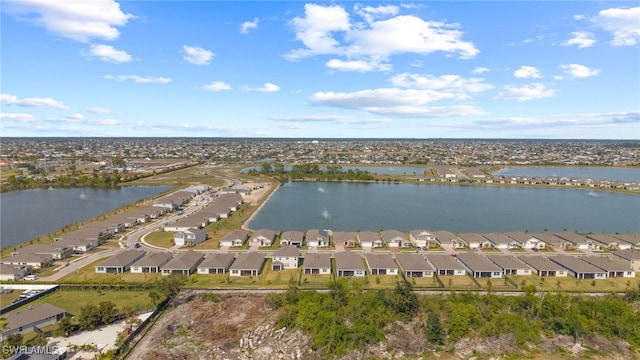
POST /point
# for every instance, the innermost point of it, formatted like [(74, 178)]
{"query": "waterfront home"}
[(317, 264), (234, 238), (55, 251), (95, 236), (552, 241), (263, 237), (479, 266), (216, 211), (422, 239), (414, 265), (349, 264), (395, 239), (578, 268), (628, 257), (186, 223), (174, 200), (184, 263), (578, 241), (151, 263), (525, 240), (35, 261), (510, 265), (369, 239), (381, 264), (216, 263), (542, 266), (12, 272), (247, 264), (286, 257), (449, 239), (475, 241), (633, 239), (501, 241), (317, 238), (292, 237), (119, 263), (30, 318), (189, 237), (345, 238), (609, 242), (446, 265), (78, 245), (613, 268)]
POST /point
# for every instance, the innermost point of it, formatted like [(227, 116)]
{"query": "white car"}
[(30, 277)]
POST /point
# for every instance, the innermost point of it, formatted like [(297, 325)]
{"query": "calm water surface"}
[(28, 214), (375, 206)]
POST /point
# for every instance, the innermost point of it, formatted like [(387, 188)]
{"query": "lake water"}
[(375, 206), (596, 173), (28, 214)]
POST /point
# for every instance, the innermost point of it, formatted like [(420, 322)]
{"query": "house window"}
[(526, 271), (561, 272)]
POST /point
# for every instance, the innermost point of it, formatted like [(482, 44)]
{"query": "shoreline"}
[(264, 200)]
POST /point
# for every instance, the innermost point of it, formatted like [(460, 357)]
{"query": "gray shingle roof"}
[(123, 258), (248, 261), (153, 259), (413, 262), (477, 262), (286, 251), (31, 314), (317, 261), (217, 261), (380, 261), (184, 261), (348, 260)]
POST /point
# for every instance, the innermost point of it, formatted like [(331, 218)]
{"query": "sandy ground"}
[(104, 338)]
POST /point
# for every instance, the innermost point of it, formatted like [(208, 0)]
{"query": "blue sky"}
[(443, 69)]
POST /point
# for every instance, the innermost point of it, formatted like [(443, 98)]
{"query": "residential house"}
[(292, 237), (542, 266), (609, 242), (151, 263), (286, 257), (318, 238), (579, 242), (189, 237), (263, 237), (414, 265), (446, 265), (78, 245), (501, 241), (247, 264), (35, 261), (475, 241), (186, 223), (174, 200), (479, 266), (345, 238), (119, 263), (30, 318), (184, 263), (629, 257), (553, 241), (525, 240), (395, 239), (614, 268), (422, 239), (381, 264), (633, 239), (369, 239), (56, 251), (234, 238), (510, 265), (216, 263), (12, 272), (578, 268), (317, 264), (349, 264), (449, 239)]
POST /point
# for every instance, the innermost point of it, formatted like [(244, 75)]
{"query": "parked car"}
[(31, 277)]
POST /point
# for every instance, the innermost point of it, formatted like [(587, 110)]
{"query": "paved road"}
[(78, 264)]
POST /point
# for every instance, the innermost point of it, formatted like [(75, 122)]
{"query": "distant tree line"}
[(311, 171)]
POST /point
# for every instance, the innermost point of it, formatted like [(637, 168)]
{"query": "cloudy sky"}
[(443, 69)]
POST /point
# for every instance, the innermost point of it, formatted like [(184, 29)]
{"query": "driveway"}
[(78, 264)]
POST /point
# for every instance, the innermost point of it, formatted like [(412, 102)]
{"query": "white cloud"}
[(217, 86), (357, 65), (106, 122), (75, 117), (589, 120), (138, 79), (480, 70), (525, 93), (338, 119), (248, 25), (108, 54), (329, 30), (98, 110), (527, 72), (579, 71), (623, 23), (197, 55), (18, 117), (582, 39), (74, 19), (452, 83), (8, 99), (268, 87), (394, 101)]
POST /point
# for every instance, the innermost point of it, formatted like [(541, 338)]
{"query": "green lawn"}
[(314, 281), (572, 284), (162, 239), (73, 300), (383, 281), (88, 274), (424, 282), (458, 282)]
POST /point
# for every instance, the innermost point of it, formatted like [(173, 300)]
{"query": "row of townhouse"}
[(220, 208), (424, 239), (351, 264)]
